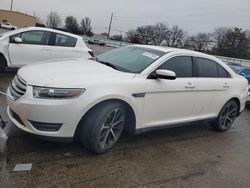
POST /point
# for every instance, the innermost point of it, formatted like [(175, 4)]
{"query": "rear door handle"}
[(190, 86), (45, 49), (225, 85)]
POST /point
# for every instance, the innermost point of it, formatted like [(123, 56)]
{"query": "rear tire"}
[(2, 64), (103, 127), (226, 117)]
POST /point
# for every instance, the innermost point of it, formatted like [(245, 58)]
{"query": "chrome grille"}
[(17, 88)]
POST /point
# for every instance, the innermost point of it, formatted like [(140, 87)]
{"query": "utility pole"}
[(110, 24), (11, 5)]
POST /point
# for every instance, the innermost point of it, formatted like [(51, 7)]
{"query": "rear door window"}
[(206, 68), (65, 41)]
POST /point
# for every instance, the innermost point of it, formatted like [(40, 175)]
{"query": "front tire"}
[(226, 117), (103, 127)]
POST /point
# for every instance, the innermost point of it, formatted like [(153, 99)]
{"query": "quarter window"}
[(206, 68), (182, 66), (66, 41)]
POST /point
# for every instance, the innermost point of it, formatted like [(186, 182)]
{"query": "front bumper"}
[(27, 110)]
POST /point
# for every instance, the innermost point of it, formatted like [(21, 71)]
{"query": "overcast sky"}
[(192, 15)]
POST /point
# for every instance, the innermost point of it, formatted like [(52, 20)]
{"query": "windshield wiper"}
[(109, 64)]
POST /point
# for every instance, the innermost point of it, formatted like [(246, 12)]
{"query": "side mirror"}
[(164, 74), (18, 40)]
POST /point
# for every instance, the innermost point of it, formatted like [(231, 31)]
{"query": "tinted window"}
[(66, 41), (222, 73), (182, 66), (206, 68), (35, 37)]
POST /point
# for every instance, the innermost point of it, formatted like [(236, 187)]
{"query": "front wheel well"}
[(130, 118)]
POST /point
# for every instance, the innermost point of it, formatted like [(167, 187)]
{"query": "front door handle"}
[(190, 86), (45, 49)]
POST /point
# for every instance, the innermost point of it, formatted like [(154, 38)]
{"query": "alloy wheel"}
[(228, 116), (112, 128)]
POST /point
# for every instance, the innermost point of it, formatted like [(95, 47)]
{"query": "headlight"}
[(56, 93)]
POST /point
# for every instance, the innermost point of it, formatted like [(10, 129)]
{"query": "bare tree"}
[(231, 42), (72, 25), (53, 20), (133, 37), (86, 28), (161, 31), (39, 19), (176, 37), (39, 22), (199, 42), (158, 34), (146, 34)]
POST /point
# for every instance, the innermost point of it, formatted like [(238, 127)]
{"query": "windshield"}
[(235, 68), (130, 59)]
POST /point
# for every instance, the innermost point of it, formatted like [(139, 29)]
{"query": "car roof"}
[(178, 50), (42, 29)]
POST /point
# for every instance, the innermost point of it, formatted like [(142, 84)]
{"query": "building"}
[(17, 18)]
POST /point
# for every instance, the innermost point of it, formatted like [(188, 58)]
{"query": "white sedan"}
[(136, 88), (7, 25), (33, 44)]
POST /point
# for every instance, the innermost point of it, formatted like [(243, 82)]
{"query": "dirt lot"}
[(190, 156)]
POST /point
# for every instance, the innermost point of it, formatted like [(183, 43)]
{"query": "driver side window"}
[(181, 65)]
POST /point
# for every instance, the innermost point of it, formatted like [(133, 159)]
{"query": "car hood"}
[(69, 73)]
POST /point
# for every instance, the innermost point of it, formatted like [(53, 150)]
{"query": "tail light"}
[(91, 53)]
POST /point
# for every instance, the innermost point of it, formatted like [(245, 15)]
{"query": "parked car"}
[(243, 71), (96, 41), (7, 25), (136, 88), (248, 100), (34, 44)]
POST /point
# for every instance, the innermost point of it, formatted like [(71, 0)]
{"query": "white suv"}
[(34, 44), (136, 88)]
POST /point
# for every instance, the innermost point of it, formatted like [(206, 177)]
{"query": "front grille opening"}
[(49, 127), (17, 87), (16, 117)]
